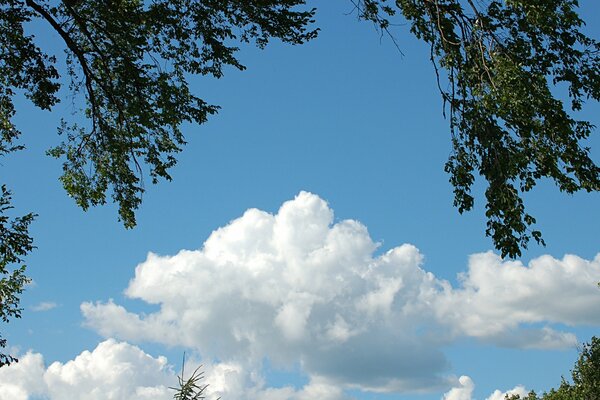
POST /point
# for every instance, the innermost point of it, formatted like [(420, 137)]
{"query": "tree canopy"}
[(499, 66), (15, 243), (131, 59), (585, 374)]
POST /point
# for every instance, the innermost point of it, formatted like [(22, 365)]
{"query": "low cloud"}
[(120, 371), (23, 379), (497, 297), (297, 289), (112, 371), (463, 390), (498, 395)]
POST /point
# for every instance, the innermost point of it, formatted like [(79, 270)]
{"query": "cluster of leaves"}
[(500, 66), (15, 243), (190, 388), (23, 67), (131, 59), (586, 378)]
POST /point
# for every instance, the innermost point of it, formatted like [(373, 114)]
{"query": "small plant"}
[(190, 388)]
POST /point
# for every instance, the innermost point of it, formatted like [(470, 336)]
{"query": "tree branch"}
[(89, 76)]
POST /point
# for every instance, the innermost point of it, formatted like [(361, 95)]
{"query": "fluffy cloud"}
[(120, 371), (498, 395), (497, 297), (22, 379), (465, 387), (300, 290), (463, 391), (112, 371), (233, 381)]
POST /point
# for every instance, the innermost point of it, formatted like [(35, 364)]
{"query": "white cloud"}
[(463, 391), (497, 297), (120, 371), (498, 395), (299, 290), (44, 306), (20, 380), (465, 386), (112, 371)]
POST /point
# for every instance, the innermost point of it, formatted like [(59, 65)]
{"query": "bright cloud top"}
[(300, 290)]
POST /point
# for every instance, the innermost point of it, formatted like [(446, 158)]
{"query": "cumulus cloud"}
[(23, 379), (463, 391), (120, 371), (498, 395), (112, 371), (233, 381), (297, 289), (465, 386), (497, 297)]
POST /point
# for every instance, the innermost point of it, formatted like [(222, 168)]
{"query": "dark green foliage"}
[(531, 396), (500, 65), (586, 378), (23, 67), (586, 374), (15, 243), (132, 60)]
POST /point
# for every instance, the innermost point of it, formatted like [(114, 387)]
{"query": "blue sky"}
[(343, 128)]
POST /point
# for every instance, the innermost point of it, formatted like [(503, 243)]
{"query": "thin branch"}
[(89, 76), (382, 23)]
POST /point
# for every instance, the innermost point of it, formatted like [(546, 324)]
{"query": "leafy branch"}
[(498, 65)]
